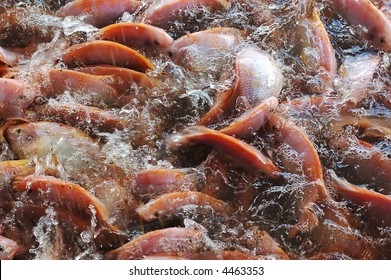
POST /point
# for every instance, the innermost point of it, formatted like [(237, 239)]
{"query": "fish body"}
[(258, 77)]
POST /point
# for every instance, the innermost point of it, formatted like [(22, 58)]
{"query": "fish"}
[(169, 204), (85, 118), (106, 52), (199, 51), (336, 233), (312, 44), (243, 154), (8, 248), (15, 97), (168, 240), (98, 13), (72, 203), (77, 157), (373, 206), (90, 90), (365, 162), (163, 12), (126, 81), (153, 182), (15, 92), (137, 35), (371, 22), (294, 142), (258, 78), (207, 255), (22, 27), (252, 120), (355, 77), (8, 57)]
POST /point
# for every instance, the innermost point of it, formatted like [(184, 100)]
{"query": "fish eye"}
[(40, 100), (170, 53)]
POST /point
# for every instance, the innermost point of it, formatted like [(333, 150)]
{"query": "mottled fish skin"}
[(242, 153), (371, 22), (258, 77), (137, 35), (163, 12), (168, 240), (98, 12), (169, 204)]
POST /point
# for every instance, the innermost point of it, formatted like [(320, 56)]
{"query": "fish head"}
[(26, 140), (159, 39)]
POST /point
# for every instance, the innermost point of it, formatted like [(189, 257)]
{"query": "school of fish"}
[(195, 129)]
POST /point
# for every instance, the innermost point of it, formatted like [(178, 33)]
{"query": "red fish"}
[(168, 240), (374, 206), (90, 90), (72, 204), (365, 162), (207, 255), (242, 153), (98, 12), (137, 35), (162, 12), (295, 143), (159, 181), (106, 52), (8, 248), (15, 96), (77, 115), (168, 204), (252, 120), (199, 51), (313, 45), (125, 81), (371, 22)]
